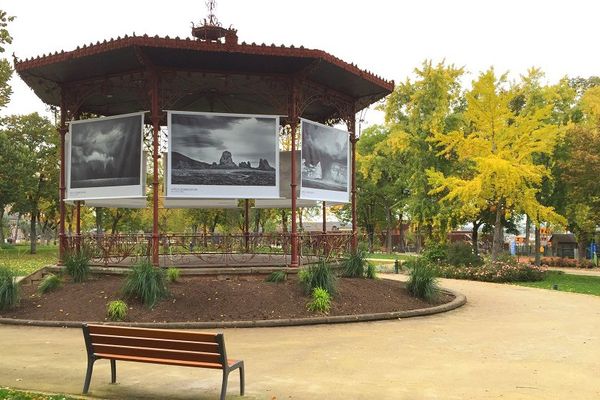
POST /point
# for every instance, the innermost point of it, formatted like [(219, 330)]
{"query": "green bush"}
[(116, 310), (497, 271), (77, 264), (146, 282), (276, 277), (422, 281), (371, 272), (355, 265), (173, 274), (321, 301), (461, 254), (50, 283), (435, 253), (9, 289), (317, 275)]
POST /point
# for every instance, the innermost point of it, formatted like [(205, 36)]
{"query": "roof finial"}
[(211, 30)]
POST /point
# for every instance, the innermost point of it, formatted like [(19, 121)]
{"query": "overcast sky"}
[(387, 37)]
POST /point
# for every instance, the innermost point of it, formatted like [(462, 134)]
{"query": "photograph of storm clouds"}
[(223, 150), (324, 157), (106, 152)]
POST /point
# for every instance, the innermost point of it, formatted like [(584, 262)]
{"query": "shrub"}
[(146, 283), (461, 253), (50, 283), (173, 274), (277, 277), (317, 275), (116, 310), (496, 271), (422, 281), (77, 264), (355, 265), (371, 272), (9, 289), (435, 253), (321, 301)]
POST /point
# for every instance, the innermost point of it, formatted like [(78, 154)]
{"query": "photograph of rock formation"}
[(106, 152), (223, 150), (324, 157)]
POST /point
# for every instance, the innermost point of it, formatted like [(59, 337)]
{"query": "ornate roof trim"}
[(193, 44)]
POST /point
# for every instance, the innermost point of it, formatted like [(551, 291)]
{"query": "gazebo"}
[(209, 72)]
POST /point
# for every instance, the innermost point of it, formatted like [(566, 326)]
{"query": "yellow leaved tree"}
[(497, 147)]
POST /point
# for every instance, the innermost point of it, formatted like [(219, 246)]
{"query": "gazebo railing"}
[(211, 249)]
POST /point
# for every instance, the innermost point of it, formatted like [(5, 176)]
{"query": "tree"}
[(36, 139), (11, 160), (498, 146), (419, 109), (381, 155), (5, 68), (582, 169)]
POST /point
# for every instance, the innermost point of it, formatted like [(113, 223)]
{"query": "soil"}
[(201, 298)]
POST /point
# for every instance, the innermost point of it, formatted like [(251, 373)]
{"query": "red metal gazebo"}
[(209, 72)]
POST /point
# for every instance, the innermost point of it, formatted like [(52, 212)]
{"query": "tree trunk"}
[(33, 233), (1, 225), (17, 229), (284, 218), (99, 212), (475, 237), (388, 235), (256, 219), (300, 220), (538, 244), (498, 241), (418, 238), (115, 222), (401, 235), (527, 235)]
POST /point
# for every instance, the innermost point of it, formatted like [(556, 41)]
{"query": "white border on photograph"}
[(322, 194), (105, 192), (222, 191)]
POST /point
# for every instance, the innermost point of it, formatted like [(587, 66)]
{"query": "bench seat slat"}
[(163, 361), (145, 352), (155, 343), (153, 333)]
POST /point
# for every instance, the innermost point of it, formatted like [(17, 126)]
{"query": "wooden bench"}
[(158, 346)]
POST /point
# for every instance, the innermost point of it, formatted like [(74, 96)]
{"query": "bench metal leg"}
[(113, 371), (88, 375), (242, 383), (224, 385)]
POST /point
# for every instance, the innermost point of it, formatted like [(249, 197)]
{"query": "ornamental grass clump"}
[(77, 264), (50, 283), (357, 266), (276, 277), (321, 301), (146, 282), (116, 310), (318, 275), (422, 280), (173, 274), (9, 289)]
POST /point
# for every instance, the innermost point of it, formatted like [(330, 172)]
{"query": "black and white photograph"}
[(222, 155), (105, 157), (324, 162)]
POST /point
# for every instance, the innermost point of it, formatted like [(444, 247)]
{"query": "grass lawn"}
[(23, 263), (10, 394), (568, 283), (389, 256)]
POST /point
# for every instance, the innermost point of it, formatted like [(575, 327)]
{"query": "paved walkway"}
[(508, 342)]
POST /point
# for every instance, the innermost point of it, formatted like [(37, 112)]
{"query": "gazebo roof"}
[(200, 75)]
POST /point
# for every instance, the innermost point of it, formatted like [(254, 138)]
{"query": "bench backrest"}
[(161, 344)]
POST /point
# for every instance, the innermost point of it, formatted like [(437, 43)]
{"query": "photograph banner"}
[(325, 163), (222, 156), (105, 158)]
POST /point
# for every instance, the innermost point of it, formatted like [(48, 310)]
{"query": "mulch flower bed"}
[(202, 298)]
